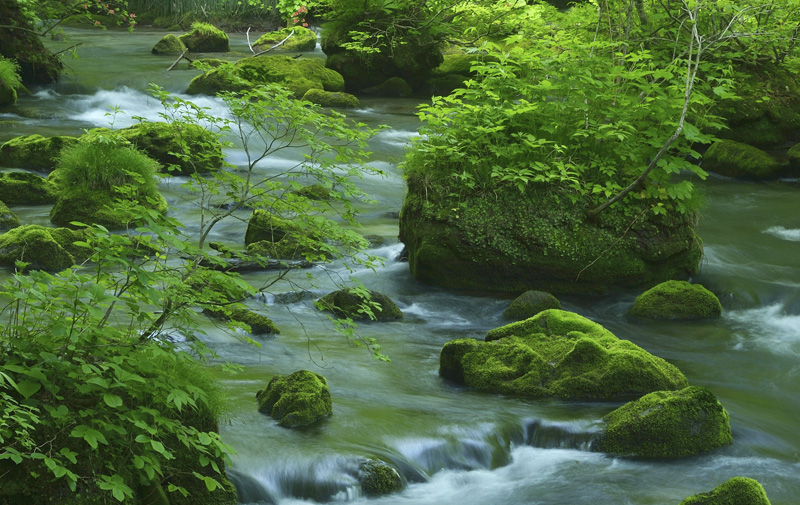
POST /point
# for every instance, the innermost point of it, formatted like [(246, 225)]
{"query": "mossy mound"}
[(378, 479), (316, 192), (109, 209), (298, 399), (8, 219), (43, 248), (667, 424), (514, 242), (393, 87), (266, 226), (259, 324), (735, 491), (530, 303), (34, 152), (677, 300), (735, 159), (270, 236), (347, 303), (161, 141), (557, 354), (205, 38), (23, 188), (169, 44), (331, 98), (296, 75), (302, 39)]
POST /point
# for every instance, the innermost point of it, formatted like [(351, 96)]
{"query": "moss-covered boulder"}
[(106, 208), (735, 491), (336, 99), (557, 354), (530, 303), (677, 300), (270, 236), (735, 159), (161, 141), (298, 399), (393, 87), (8, 219), (302, 39), (667, 424), (43, 248), (266, 226), (37, 64), (259, 324), (34, 152), (351, 303), (24, 188), (377, 478), (316, 192), (169, 44), (205, 38)]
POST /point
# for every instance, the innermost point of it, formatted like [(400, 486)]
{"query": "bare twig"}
[(67, 49), (182, 56)]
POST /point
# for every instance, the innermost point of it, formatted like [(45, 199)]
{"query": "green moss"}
[(10, 81), (161, 140), (316, 192), (735, 491), (8, 219), (23, 188), (266, 226), (205, 38), (677, 300), (101, 207), (216, 80), (298, 399), (34, 245), (169, 44), (259, 324), (331, 99), (34, 151), (557, 354), (530, 303), (349, 303), (378, 479), (667, 424), (392, 87), (735, 159), (302, 39)]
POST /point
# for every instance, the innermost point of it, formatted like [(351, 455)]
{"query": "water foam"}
[(790, 234)]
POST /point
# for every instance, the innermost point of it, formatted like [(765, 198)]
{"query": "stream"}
[(452, 444)]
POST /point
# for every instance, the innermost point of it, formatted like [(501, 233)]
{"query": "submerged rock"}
[(350, 303), (378, 479), (735, 159), (530, 303), (735, 491), (667, 424), (298, 399), (34, 152), (557, 354), (677, 300), (205, 38), (24, 188)]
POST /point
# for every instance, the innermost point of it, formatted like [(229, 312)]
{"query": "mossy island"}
[(298, 399)]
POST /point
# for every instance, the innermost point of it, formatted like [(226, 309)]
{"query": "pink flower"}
[(97, 23), (294, 20), (111, 11), (305, 25), (132, 15), (302, 9)]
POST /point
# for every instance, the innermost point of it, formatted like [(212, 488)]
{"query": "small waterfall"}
[(561, 435)]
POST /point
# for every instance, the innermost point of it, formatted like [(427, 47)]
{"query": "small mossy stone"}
[(316, 192), (34, 245), (735, 159), (8, 219), (378, 479), (301, 39), (259, 324), (24, 188), (393, 87), (298, 399), (349, 303), (530, 303), (34, 152), (667, 424), (161, 141), (735, 491), (169, 44), (205, 38), (324, 98), (677, 300)]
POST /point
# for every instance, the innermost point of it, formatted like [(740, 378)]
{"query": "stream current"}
[(451, 444)]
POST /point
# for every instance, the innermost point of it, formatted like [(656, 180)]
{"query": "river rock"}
[(735, 491), (48, 249), (100, 207), (8, 219), (530, 303), (677, 300), (161, 141), (24, 188), (34, 152), (298, 399), (169, 44), (348, 303), (378, 479), (735, 159), (259, 324), (338, 99), (205, 38), (557, 354), (270, 236), (667, 424), (302, 39), (393, 87)]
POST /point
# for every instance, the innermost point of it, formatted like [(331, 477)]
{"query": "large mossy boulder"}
[(557, 354), (205, 38), (201, 149), (298, 399), (301, 39), (349, 303), (24, 188), (259, 324), (735, 491), (169, 44), (43, 248), (736, 159), (337, 99), (530, 303), (677, 300), (514, 242), (667, 424), (378, 479), (34, 152)]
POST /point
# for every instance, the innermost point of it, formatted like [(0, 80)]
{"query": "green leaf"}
[(112, 400), (28, 388)]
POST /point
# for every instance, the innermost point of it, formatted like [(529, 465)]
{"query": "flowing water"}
[(451, 444)]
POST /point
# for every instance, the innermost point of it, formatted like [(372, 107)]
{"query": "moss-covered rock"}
[(735, 491), (34, 151), (161, 140), (109, 209), (735, 159), (266, 226), (331, 99), (378, 479), (302, 39), (8, 219), (677, 300), (446, 84), (393, 87), (37, 64), (793, 154), (259, 324), (43, 248), (298, 399), (530, 303), (24, 188), (557, 354), (667, 424), (205, 38), (316, 192), (169, 44), (349, 303)]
